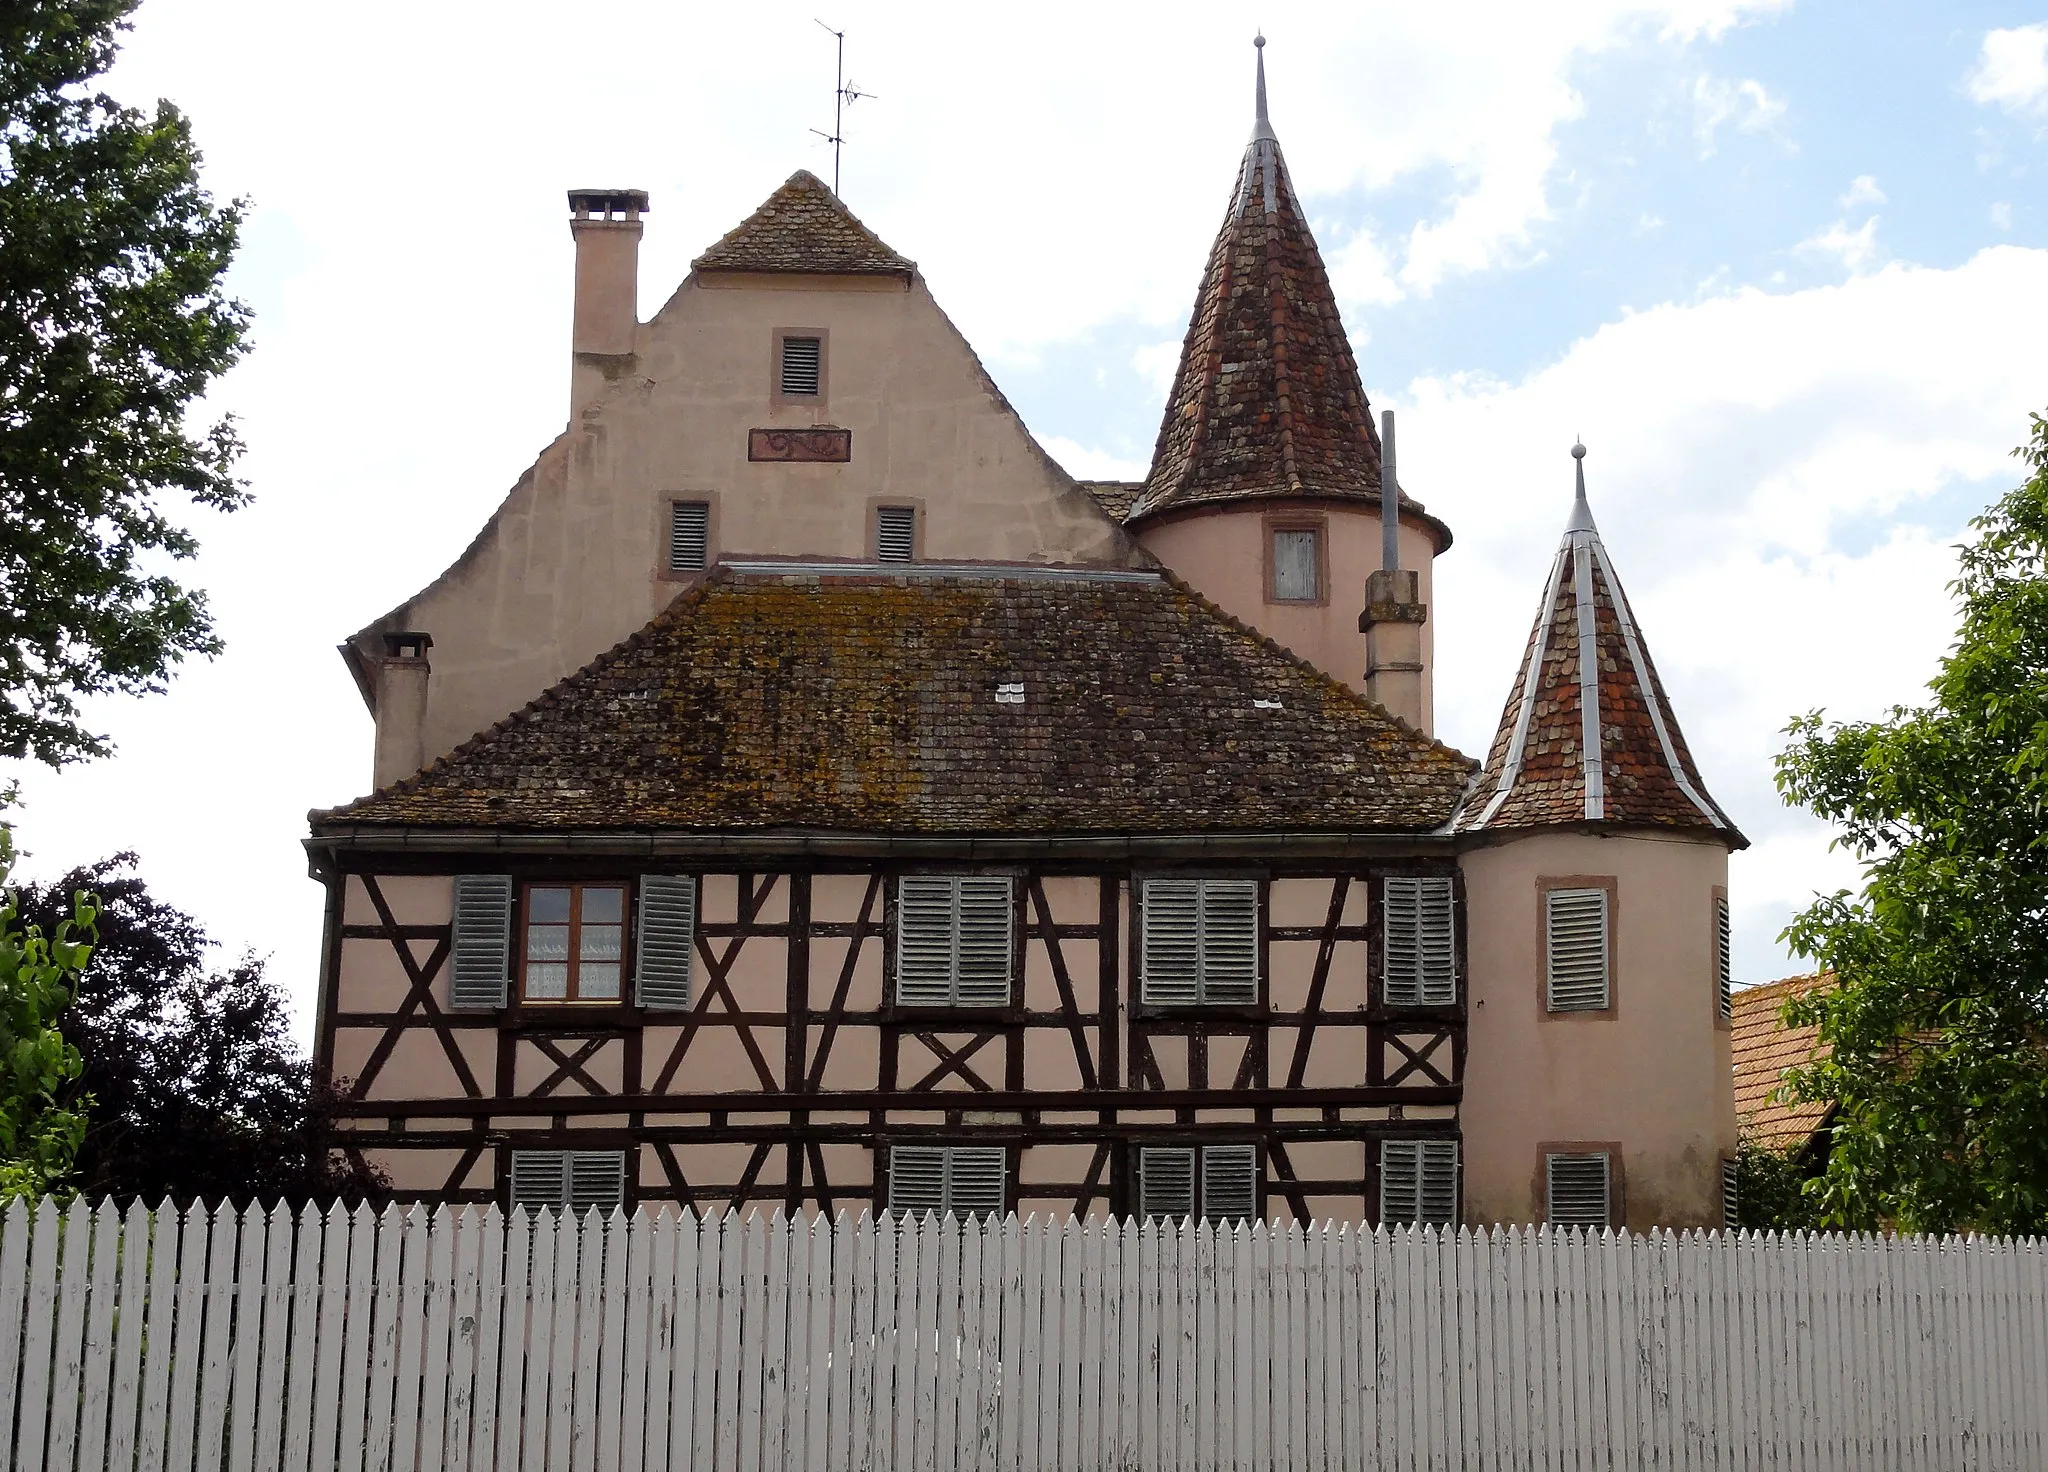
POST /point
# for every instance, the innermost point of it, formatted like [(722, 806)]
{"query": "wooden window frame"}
[(1296, 521), (571, 998), (1544, 885), (776, 397)]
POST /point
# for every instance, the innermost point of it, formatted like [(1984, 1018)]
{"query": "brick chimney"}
[(606, 227)]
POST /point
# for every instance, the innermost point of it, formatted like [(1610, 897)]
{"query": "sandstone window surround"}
[(689, 535), (1215, 1183), (802, 368), (1297, 558), (1200, 942), (949, 1180), (896, 532), (567, 1180)]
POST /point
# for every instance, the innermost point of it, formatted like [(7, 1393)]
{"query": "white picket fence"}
[(349, 1341)]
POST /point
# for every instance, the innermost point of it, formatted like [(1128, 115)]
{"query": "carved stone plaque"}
[(827, 446)]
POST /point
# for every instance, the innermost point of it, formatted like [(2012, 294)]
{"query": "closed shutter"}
[(689, 535), (1731, 1195), (895, 533), (1200, 942), (1230, 1183), (959, 1180), (1577, 1192), (480, 966), (977, 1179), (539, 1179), (1418, 1182), (597, 1178), (1418, 936), (1296, 567), (668, 928), (954, 940), (1576, 963), (1166, 1181), (801, 363), (1724, 972)]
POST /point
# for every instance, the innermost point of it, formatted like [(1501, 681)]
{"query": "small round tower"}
[(1265, 487), (1598, 1088)]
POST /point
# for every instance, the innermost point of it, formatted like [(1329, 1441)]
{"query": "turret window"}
[(1294, 572), (1578, 961)]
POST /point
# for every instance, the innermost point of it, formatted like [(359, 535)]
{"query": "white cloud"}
[(1862, 191), (2000, 215), (1084, 462), (2012, 69), (1156, 363), (1854, 250), (1718, 102), (1761, 467)]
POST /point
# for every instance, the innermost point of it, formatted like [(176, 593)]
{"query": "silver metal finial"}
[(1582, 512), (1261, 128)]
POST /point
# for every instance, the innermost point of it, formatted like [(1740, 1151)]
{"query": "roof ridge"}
[(803, 227)]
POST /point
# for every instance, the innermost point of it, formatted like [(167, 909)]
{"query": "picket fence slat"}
[(256, 1339)]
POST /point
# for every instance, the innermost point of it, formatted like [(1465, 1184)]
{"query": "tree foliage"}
[(1938, 1029), (113, 323), (197, 1090), (41, 1127), (1770, 1194)]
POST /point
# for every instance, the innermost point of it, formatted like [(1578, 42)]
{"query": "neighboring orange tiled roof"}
[(1536, 772), (803, 227), (1267, 400), (864, 700), (1764, 1048)]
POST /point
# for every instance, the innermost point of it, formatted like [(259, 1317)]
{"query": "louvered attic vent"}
[(1418, 1182), (1575, 945), (895, 533), (1420, 942), (951, 1180), (802, 362), (1577, 1191), (1200, 942), (953, 940), (689, 535), (573, 1180)]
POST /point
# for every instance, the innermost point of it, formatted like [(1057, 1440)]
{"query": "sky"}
[(1782, 264)]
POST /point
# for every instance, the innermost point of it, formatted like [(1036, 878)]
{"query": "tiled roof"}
[(1537, 772), (1267, 400), (1113, 496), (1764, 1049), (866, 699), (803, 227)]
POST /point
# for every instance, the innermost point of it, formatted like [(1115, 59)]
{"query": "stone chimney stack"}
[(401, 676), (606, 227), (1394, 610)]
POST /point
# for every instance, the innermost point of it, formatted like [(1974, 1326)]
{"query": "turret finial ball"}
[(1578, 452), (1259, 41)]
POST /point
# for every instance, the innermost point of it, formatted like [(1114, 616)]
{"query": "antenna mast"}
[(844, 94)]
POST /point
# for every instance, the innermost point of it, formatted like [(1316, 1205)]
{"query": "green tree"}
[(113, 323), (1938, 1028), (41, 1128)]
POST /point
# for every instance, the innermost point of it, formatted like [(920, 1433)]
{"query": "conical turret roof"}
[(1267, 401), (1588, 736)]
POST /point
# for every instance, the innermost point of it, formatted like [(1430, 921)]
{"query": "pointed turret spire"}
[(1588, 735), (1267, 401)]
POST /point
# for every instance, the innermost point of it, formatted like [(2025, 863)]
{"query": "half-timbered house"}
[(803, 793)]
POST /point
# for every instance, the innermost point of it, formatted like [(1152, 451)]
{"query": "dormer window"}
[(803, 366)]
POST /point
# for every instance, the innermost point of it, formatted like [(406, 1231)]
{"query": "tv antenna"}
[(844, 95)]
